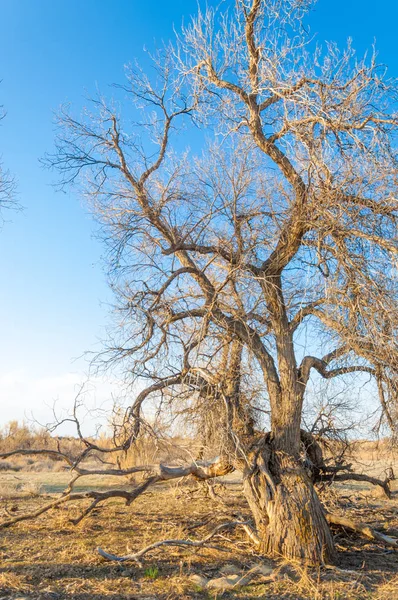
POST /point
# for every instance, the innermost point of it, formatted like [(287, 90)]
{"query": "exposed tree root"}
[(361, 528), (251, 533)]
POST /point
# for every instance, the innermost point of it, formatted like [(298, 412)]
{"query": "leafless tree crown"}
[(285, 219)]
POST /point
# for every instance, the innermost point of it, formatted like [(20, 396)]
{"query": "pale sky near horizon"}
[(54, 298)]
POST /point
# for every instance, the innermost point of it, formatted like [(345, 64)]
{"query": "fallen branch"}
[(55, 454), (362, 528), (173, 542), (97, 497), (205, 521), (199, 470)]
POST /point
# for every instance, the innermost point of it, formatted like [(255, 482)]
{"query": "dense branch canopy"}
[(284, 221)]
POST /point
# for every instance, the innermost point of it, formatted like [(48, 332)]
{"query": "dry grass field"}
[(50, 558)]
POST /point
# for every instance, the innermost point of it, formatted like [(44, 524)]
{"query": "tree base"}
[(289, 516)]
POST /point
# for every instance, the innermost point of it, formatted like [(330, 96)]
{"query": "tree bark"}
[(288, 514)]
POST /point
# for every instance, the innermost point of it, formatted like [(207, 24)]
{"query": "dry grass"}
[(51, 558), (12, 582)]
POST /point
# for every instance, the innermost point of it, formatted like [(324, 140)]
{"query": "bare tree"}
[(221, 261)]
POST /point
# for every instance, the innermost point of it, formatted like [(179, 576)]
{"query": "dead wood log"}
[(96, 496)]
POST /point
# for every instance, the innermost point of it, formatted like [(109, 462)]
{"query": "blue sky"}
[(53, 297)]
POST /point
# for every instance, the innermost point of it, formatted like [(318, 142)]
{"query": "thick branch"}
[(361, 528), (385, 485)]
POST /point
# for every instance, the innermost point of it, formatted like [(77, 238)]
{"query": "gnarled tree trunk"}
[(288, 514), (289, 517)]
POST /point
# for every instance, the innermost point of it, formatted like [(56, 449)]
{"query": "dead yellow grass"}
[(52, 556), (10, 581), (388, 590)]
